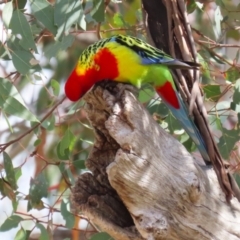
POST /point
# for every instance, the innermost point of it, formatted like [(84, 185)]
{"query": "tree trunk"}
[(144, 183)]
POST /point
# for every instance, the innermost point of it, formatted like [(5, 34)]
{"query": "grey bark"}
[(144, 184)]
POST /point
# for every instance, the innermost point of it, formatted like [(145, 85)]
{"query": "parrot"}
[(128, 59)]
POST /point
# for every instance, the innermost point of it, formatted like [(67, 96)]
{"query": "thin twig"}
[(5, 145)]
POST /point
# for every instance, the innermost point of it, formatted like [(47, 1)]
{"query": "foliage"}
[(40, 130)]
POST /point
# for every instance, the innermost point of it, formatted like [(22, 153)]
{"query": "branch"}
[(144, 184), (6, 145)]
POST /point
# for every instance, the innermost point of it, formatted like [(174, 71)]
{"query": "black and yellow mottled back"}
[(148, 53)]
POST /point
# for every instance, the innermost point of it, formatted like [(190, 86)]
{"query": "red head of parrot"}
[(91, 69)]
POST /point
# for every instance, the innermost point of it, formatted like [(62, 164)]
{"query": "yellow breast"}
[(129, 64)]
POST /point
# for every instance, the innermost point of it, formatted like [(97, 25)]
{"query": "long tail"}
[(177, 64), (181, 114)]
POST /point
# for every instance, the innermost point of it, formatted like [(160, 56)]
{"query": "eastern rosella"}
[(130, 60)]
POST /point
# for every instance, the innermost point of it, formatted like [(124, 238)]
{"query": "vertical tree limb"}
[(181, 46)]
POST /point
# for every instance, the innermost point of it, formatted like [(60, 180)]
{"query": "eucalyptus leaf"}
[(227, 141), (97, 12), (7, 13), (38, 190), (12, 103), (66, 144), (212, 92), (20, 25), (44, 233), (10, 222), (66, 13), (44, 12), (21, 234), (22, 60), (101, 236), (67, 215), (8, 166)]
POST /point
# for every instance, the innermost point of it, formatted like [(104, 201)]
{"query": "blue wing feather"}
[(189, 126)]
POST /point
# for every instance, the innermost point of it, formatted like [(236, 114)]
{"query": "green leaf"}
[(28, 233), (233, 74), (228, 141), (223, 110), (55, 87), (118, 20), (6, 190), (3, 52), (13, 107), (12, 103), (174, 125), (13, 43), (146, 94), (66, 42), (38, 190), (206, 76), (237, 55), (235, 107), (66, 172), (67, 215), (9, 171), (37, 142), (22, 60), (44, 13), (97, 11), (44, 233), (20, 25), (53, 49), (35, 29), (66, 13), (212, 92), (49, 123), (101, 236), (187, 142), (10, 222), (220, 3), (191, 6), (14, 205), (21, 235), (20, 4), (65, 145), (236, 95), (18, 173), (79, 164), (7, 13), (157, 107)]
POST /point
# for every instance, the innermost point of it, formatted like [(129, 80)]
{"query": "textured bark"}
[(144, 184)]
